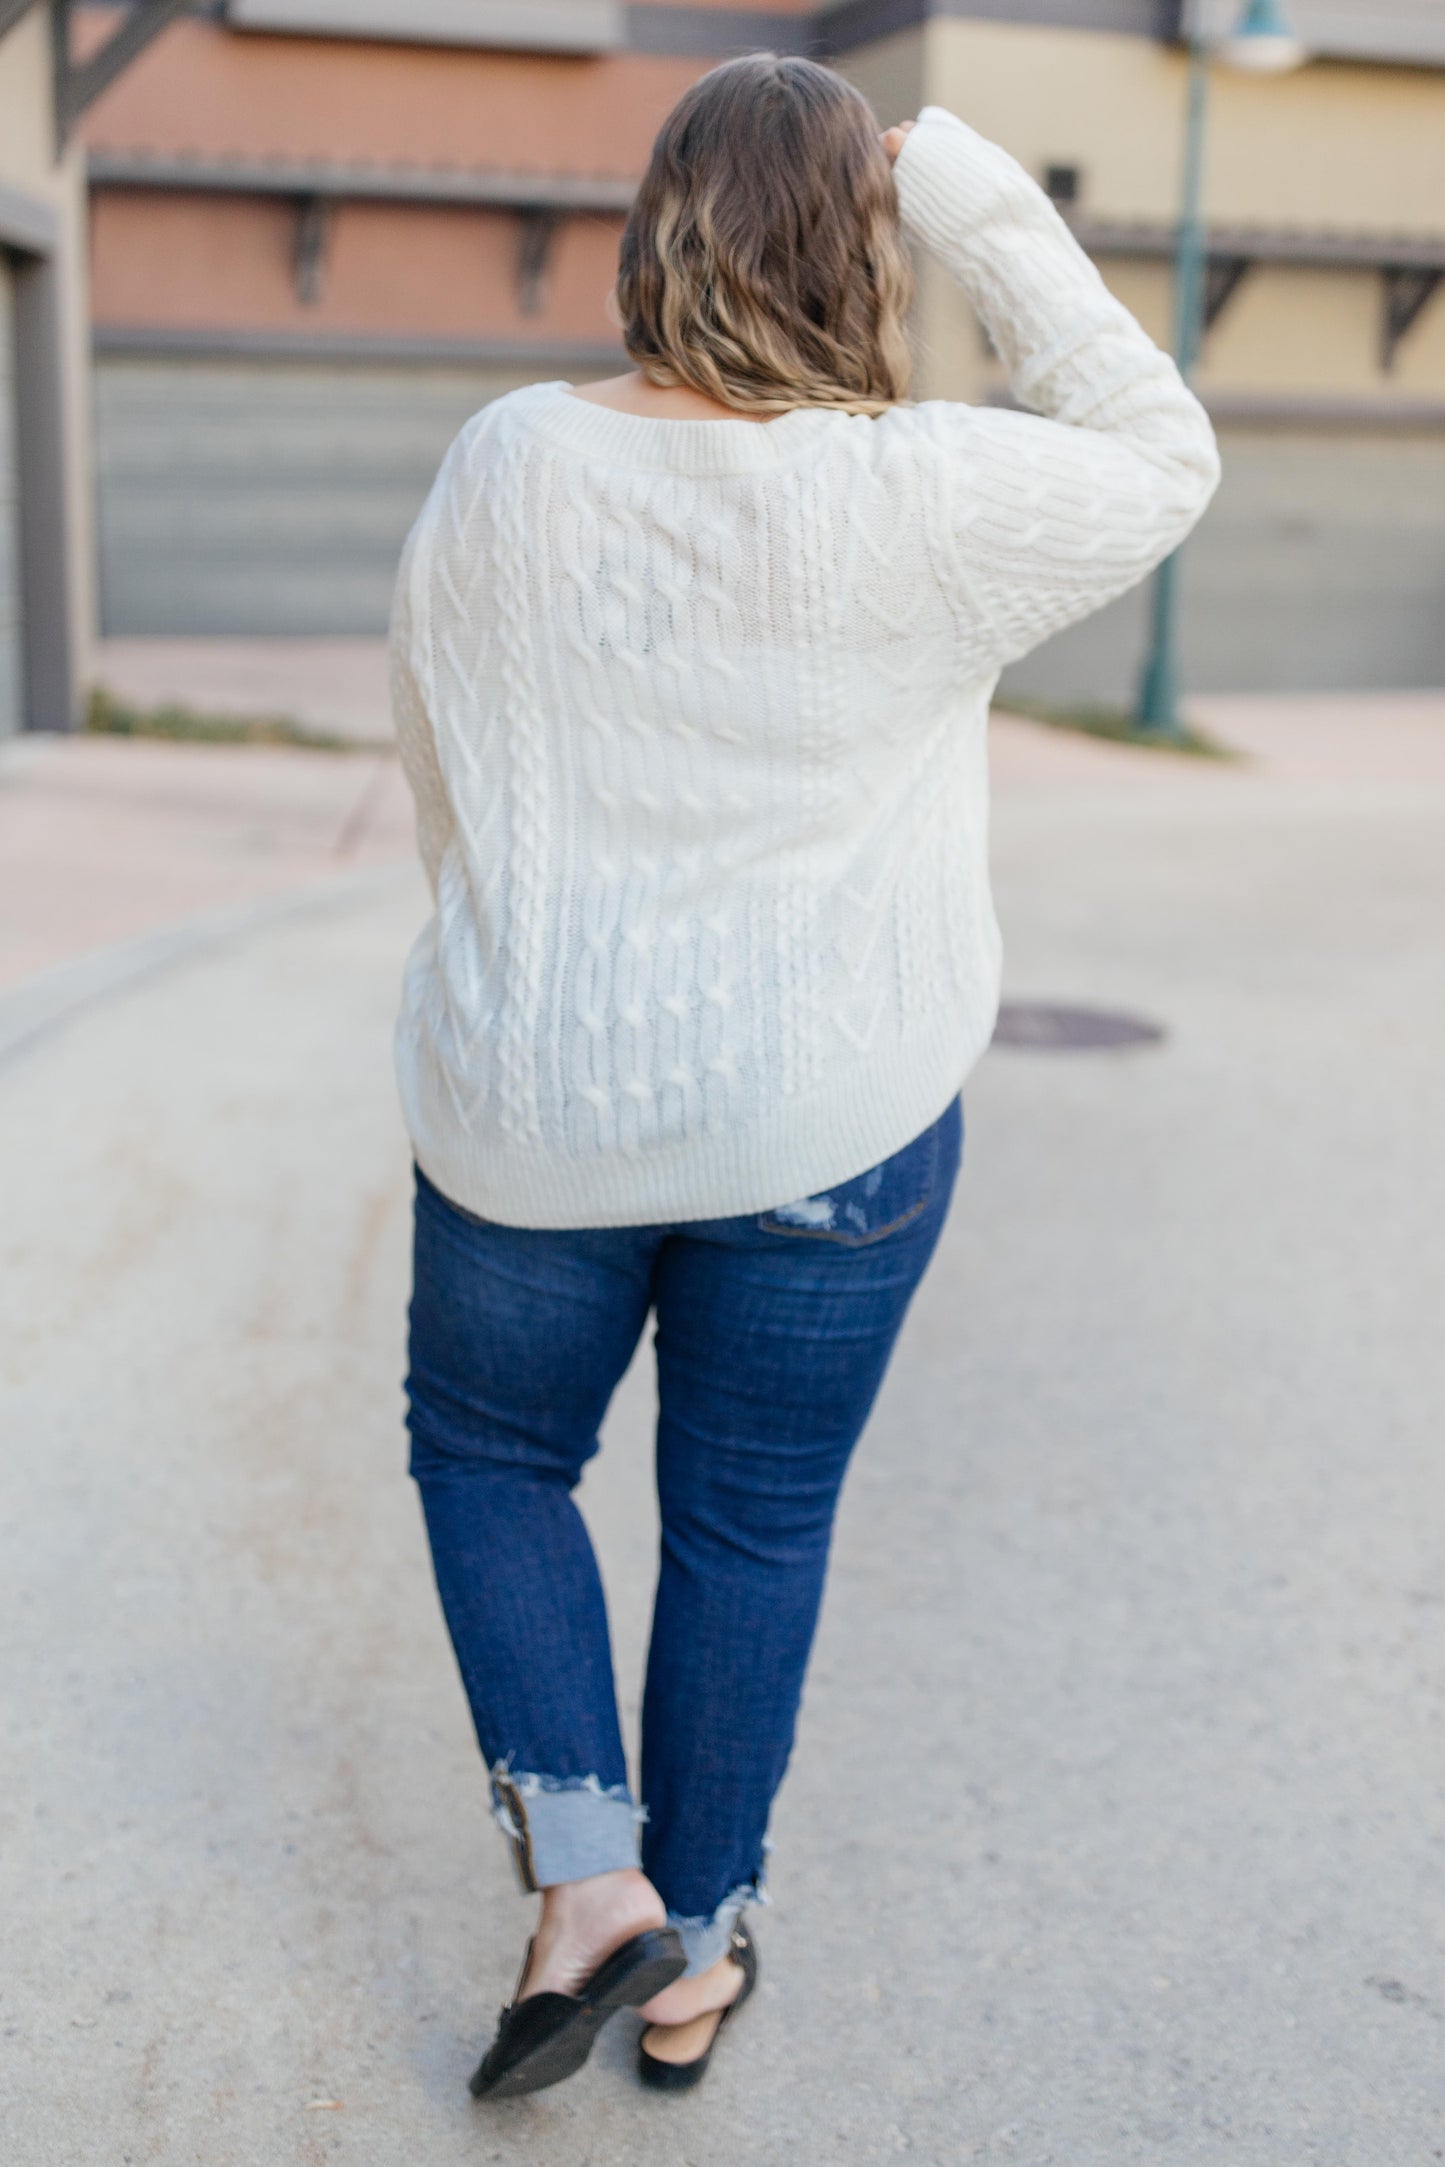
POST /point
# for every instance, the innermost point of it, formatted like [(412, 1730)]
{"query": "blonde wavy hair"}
[(763, 263)]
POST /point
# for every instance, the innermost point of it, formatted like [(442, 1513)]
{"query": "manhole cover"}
[(1047, 1029)]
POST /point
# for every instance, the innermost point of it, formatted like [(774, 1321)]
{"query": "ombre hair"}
[(763, 263)]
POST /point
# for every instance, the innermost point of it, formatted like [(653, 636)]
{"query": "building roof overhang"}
[(467, 187), (570, 26), (1320, 247), (1400, 32)]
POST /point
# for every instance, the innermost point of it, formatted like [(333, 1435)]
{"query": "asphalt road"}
[(1115, 1832)]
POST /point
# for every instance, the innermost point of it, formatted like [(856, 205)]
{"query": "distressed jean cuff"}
[(565, 1828), (705, 1939)]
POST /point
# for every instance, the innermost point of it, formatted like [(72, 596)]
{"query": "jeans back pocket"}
[(871, 1205)]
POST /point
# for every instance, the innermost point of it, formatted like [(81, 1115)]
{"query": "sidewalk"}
[(341, 685), (1111, 1837), (336, 685), (104, 839)]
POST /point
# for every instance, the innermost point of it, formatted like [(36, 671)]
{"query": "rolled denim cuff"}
[(565, 1828), (705, 1940)]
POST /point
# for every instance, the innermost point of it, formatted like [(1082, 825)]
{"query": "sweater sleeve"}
[(416, 740), (1053, 512)]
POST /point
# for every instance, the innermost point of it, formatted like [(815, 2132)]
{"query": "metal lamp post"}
[(1262, 43)]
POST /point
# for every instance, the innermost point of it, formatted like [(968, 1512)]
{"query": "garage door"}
[(266, 497), (273, 498), (1320, 564), (11, 681)]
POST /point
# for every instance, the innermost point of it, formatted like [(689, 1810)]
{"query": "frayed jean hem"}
[(565, 1828), (705, 1940)]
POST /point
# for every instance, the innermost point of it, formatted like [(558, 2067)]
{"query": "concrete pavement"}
[(1114, 1831)]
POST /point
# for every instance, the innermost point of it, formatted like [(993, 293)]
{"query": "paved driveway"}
[(1115, 1831)]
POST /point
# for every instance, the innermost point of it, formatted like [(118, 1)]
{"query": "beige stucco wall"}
[(1355, 149), (29, 165), (25, 134), (1334, 145), (892, 74)]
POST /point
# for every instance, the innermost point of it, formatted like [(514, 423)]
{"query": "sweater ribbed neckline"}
[(672, 447)]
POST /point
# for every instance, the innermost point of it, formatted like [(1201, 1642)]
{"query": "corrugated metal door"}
[(273, 497), (266, 497), (12, 682), (1319, 566)]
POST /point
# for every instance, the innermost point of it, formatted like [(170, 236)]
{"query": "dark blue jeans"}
[(773, 1335)]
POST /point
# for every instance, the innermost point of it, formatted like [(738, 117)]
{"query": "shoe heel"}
[(652, 1961)]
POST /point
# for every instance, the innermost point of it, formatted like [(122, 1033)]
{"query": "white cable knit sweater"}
[(695, 713)]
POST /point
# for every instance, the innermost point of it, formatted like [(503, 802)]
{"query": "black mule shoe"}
[(682, 2076), (549, 2036)]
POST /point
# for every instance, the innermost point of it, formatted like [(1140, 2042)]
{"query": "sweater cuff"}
[(951, 181)]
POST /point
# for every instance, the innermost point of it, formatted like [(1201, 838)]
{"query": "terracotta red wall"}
[(215, 262), (213, 92), (225, 263)]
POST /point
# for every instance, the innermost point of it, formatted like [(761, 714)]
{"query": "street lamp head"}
[(1263, 43)]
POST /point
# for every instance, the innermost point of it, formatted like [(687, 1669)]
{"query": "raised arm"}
[(1056, 511)]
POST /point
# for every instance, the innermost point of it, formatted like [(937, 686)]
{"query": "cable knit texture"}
[(695, 714)]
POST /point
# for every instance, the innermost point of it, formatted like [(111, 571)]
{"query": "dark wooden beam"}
[(79, 84), (314, 217), (11, 12), (539, 227), (1224, 275), (1409, 290)]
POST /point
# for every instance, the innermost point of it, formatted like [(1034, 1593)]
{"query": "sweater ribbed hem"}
[(807, 1145)]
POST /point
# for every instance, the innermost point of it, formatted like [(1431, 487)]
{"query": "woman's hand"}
[(895, 138)]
